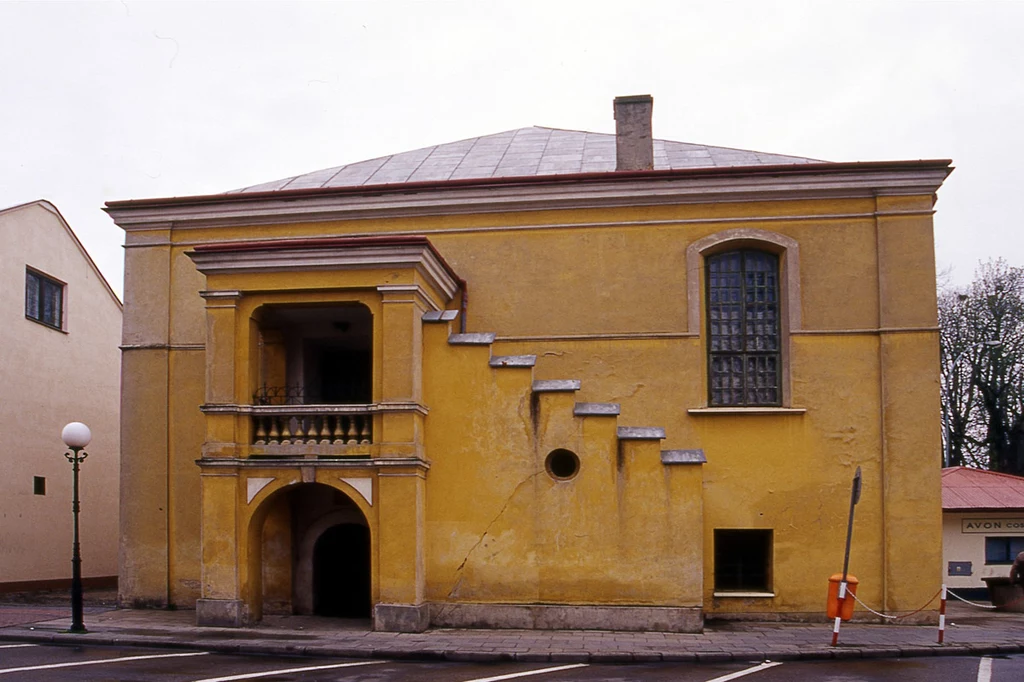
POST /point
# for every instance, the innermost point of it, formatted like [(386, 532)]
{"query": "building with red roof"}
[(982, 525)]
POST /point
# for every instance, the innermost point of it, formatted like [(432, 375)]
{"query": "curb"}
[(262, 647)]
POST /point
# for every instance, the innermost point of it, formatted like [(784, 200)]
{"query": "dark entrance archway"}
[(341, 572), (312, 554)]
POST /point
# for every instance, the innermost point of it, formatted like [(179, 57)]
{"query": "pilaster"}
[(401, 333), (401, 553), (221, 602), (221, 342)]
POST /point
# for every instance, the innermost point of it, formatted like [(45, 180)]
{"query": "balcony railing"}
[(312, 424), (312, 431)]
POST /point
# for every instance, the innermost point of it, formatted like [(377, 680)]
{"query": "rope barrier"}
[(980, 606), (902, 615), (987, 606), (943, 592), (882, 615), (844, 593)]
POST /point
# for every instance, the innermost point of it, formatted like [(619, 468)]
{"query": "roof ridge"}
[(556, 158), (983, 472)]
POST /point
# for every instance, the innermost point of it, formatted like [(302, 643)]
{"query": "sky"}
[(103, 101)]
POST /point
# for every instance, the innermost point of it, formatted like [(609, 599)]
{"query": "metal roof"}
[(966, 489), (526, 152)]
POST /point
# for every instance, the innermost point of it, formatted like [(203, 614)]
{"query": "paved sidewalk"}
[(969, 632)]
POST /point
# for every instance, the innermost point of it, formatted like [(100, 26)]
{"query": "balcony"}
[(314, 431)]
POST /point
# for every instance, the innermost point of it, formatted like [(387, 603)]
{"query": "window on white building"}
[(44, 299)]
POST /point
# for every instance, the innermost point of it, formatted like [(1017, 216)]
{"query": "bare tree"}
[(957, 341), (982, 362)]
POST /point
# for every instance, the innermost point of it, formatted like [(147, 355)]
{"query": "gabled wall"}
[(50, 377)]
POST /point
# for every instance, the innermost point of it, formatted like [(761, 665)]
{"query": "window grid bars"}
[(743, 329)]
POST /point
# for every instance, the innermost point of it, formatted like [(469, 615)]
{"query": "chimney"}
[(634, 145)]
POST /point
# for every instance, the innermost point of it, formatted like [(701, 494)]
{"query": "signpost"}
[(854, 499)]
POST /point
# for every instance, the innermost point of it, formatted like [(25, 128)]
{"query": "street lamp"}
[(76, 436), (948, 427)]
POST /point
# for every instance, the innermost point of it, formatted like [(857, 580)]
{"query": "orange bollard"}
[(845, 612)]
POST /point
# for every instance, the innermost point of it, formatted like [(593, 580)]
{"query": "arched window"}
[(744, 332)]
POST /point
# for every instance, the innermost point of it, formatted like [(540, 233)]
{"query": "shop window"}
[(1002, 550), (743, 560)]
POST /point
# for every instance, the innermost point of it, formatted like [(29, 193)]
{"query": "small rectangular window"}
[(39, 485), (1003, 550), (743, 560), (44, 299)]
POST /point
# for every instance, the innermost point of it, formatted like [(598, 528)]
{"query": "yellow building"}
[(542, 378)]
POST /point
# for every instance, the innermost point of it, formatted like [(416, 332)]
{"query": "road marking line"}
[(748, 671), (985, 669), (268, 673), (541, 671), (15, 646), (75, 664)]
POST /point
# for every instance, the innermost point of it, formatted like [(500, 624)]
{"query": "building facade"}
[(982, 527), (60, 325), (542, 378)]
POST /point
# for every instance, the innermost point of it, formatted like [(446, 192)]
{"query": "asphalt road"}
[(96, 664)]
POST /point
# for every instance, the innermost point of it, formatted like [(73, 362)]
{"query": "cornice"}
[(372, 408), (819, 181), (272, 258), (216, 463), (574, 225)]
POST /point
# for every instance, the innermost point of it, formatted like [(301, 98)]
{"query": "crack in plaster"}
[(525, 413), (458, 582)]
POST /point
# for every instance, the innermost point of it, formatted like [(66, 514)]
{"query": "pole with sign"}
[(854, 499)]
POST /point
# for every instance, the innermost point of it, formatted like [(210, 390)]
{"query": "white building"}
[(982, 527), (60, 326)]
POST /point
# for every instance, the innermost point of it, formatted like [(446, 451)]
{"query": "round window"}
[(562, 464)]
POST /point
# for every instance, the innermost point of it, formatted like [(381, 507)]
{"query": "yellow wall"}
[(598, 295)]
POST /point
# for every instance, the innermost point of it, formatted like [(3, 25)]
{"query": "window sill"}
[(745, 410), (744, 595), (47, 325)]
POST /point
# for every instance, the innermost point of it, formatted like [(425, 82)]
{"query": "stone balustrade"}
[(313, 425)]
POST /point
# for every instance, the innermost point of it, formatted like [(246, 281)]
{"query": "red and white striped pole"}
[(942, 614), (839, 613)]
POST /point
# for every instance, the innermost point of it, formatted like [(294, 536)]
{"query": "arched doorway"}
[(341, 572), (313, 554)]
